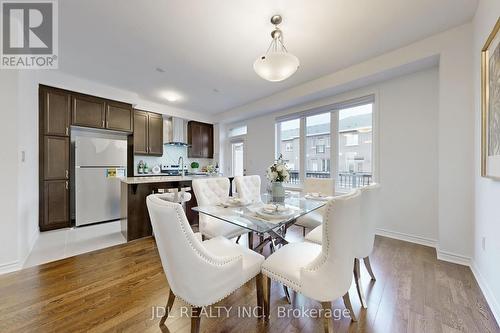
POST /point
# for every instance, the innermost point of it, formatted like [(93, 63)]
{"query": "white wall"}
[(487, 192), (8, 170), (407, 109)]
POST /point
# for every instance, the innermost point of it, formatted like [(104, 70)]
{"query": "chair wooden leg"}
[(259, 281), (203, 237), (195, 319), (368, 266), (170, 302), (357, 280), (348, 305), (267, 296), (250, 240), (304, 231), (238, 239), (327, 319)]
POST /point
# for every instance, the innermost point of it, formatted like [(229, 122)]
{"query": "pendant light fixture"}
[(277, 64)]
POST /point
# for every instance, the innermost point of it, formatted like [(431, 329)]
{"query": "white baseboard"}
[(453, 257), (488, 294), (407, 237), (9, 267)]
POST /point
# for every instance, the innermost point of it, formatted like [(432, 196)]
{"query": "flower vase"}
[(278, 192)]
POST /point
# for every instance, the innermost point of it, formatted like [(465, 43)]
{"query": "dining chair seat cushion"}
[(316, 235), (222, 247), (285, 264), (310, 220), (214, 227)]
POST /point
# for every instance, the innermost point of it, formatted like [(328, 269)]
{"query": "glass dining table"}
[(254, 218)]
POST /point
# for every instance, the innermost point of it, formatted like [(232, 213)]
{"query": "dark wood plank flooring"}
[(115, 290)]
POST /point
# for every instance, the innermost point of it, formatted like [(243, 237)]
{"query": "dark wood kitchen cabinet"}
[(55, 198), (148, 133), (200, 139), (88, 111), (56, 106), (155, 134), (55, 158), (119, 116)]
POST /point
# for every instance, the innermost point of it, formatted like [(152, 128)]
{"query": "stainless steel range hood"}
[(175, 132)]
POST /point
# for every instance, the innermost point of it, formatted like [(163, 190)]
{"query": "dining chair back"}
[(323, 186), (210, 192), (248, 187), (200, 273), (329, 276)]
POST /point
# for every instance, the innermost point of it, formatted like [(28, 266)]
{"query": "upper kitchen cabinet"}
[(119, 116), (95, 112), (148, 133), (200, 139), (140, 132), (155, 134), (89, 111), (55, 109)]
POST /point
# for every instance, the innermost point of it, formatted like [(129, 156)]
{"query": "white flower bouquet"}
[(278, 172)]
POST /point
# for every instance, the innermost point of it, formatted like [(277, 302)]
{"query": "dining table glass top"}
[(259, 217)]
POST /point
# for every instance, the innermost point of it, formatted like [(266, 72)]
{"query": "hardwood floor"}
[(115, 290)]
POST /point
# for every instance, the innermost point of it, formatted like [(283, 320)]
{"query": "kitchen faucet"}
[(181, 165)]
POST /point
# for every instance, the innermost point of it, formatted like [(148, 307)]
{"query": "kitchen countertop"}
[(163, 179)]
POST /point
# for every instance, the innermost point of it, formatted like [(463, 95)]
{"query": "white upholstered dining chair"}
[(248, 187), (363, 245), (320, 272), (200, 273), (211, 192), (325, 186)]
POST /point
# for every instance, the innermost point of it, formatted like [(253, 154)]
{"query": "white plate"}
[(235, 202), (277, 215), (317, 197)]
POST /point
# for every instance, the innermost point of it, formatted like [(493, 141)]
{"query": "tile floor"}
[(64, 243)]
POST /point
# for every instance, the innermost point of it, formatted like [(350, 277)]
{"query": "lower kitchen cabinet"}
[(55, 211)]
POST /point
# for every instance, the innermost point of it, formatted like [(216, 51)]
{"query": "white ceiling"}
[(204, 45)]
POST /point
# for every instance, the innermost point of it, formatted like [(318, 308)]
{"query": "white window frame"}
[(369, 98)]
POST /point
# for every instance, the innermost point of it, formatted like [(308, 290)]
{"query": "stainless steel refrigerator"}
[(99, 165)]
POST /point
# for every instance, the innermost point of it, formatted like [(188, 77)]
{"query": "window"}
[(317, 134), (351, 139), (237, 131), (288, 146), (355, 146), (350, 147)]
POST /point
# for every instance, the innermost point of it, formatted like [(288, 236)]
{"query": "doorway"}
[(238, 158)]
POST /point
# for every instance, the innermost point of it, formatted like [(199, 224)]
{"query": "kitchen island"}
[(134, 190)]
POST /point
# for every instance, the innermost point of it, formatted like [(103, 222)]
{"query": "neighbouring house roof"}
[(346, 125)]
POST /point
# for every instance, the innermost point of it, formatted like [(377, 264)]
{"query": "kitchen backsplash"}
[(170, 156)]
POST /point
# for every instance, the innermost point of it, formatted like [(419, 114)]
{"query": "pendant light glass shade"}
[(276, 66)]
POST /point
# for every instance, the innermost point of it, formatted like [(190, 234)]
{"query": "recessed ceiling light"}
[(171, 96)]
